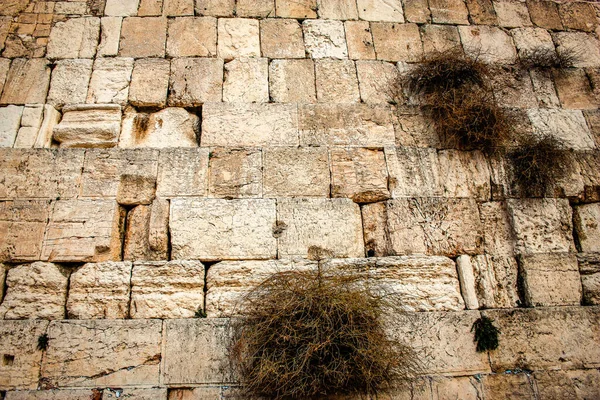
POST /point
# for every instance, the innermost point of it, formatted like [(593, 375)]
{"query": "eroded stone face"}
[(89, 126), (397, 42), (325, 39), (170, 127), (182, 172), (22, 226), (584, 45), (27, 82), (195, 81), (359, 40), (360, 174), (587, 226), (281, 38), (336, 81), (74, 38), (235, 173), (143, 37), (150, 82), (296, 8), (246, 80), (488, 44), (65, 394), (70, 80), (292, 81), (380, 10), (10, 121), (110, 81), (296, 172), (192, 37), (238, 37), (589, 268), (449, 12)]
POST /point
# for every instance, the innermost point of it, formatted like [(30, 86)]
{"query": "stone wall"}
[(158, 158)]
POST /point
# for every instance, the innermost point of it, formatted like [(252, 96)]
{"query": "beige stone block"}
[(74, 38), (150, 83), (292, 81), (173, 8), (568, 384), (482, 12), (586, 46), (375, 79), (170, 127), (439, 39), (281, 38), (545, 14), (110, 80), (449, 12), (331, 224), (235, 173), (341, 9), (249, 125), (414, 172), (215, 8), (4, 68), (514, 386), (336, 81), (579, 16), (359, 174), (530, 41), (121, 8), (246, 80), (195, 81), (512, 14), (143, 37), (196, 351), (417, 11), (231, 229), (546, 338), (587, 226), (53, 394), (466, 277), (380, 10), (27, 82), (21, 356), (567, 126), (359, 40), (12, 7), (3, 272), (206, 392), (150, 8), (238, 37), (22, 225), (51, 119), (574, 89), (498, 235), (397, 42), (255, 8), (110, 35), (543, 87), (135, 394), (464, 174), (291, 172), (195, 37), (182, 172), (100, 291), (496, 281), (325, 39), (136, 189), (488, 43), (10, 121), (353, 125), (122, 352), (589, 268), (89, 126), (69, 84), (146, 236), (297, 9)]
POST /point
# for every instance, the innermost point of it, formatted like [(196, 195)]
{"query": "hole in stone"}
[(371, 253), (8, 359)]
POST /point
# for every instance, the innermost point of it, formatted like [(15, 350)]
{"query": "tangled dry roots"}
[(310, 334)]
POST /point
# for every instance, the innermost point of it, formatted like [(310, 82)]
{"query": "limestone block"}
[(498, 235), (182, 172), (380, 10), (55, 394), (464, 174), (170, 127), (291, 172), (414, 172), (195, 37), (121, 8), (173, 8), (513, 88), (413, 129), (544, 89), (586, 46), (325, 39), (488, 43), (336, 81), (216, 8), (235, 173), (433, 226), (589, 268), (51, 118), (206, 392), (249, 125), (466, 277), (545, 14), (516, 386), (292, 81), (35, 291), (567, 126), (10, 121), (574, 89), (136, 189), (238, 37), (83, 230), (122, 352), (417, 11), (32, 116), (375, 79), (110, 80), (89, 126), (4, 67), (234, 229), (21, 357), (146, 236), (512, 14), (27, 82), (496, 281), (298, 9), (136, 394), (546, 338), (568, 384), (110, 35), (3, 272), (22, 225), (482, 12), (354, 125), (196, 351), (532, 40), (69, 84), (579, 16), (359, 40), (343, 9), (449, 12), (12, 7), (439, 38), (246, 80), (150, 83), (143, 37), (74, 38), (587, 226), (397, 42), (100, 291), (195, 81), (173, 289), (331, 224), (281, 38), (360, 174), (255, 8)]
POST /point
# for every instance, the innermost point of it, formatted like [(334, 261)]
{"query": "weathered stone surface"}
[(147, 234), (449, 12), (512, 14), (439, 38), (380, 10), (298, 9), (354, 125), (110, 35), (22, 225), (499, 237), (121, 8), (587, 226), (336, 81), (547, 338), (100, 291), (10, 121), (235, 173), (69, 84), (482, 12), (464, 174), (55, 394), (110, 80), (173, 8), (74, 38), (170, 127), (359, 40), (574, 89), (216, 8), (195, 37), (150, 83), (291, 172), (136, 189), (195, 81), (331, 224), (360, 174), (325, 39), (413, 129), (173, 289), (3, 272), (249, 125), (292, 81), (27, 82), (238, 37), (246, 80), (423, 226), (466, 278), (579, 16), (136, 394), (586, 46), (196, 351), (182, 172), (30, 125), (530, 41), (375, 79), (4, 68), (544, 14), (342, 9), (206, 392), (568, 384), (513, 88), (123, 352), (567, 126), (255, 8), (397, 42), (89, 126), (143, 37), (235, 229), (515, 386), (489, 44), (589, 268), (496, 281), (544, 89), (281, 38), (21, 356), (417, 11), (51, 118)]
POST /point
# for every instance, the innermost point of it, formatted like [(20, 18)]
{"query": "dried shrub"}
[(486, 334), (314, 333), (549, 58), (43, 341)]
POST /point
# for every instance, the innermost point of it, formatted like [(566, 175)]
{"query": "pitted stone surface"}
[(10, 121), (110, 80), (238, 37), (235, 173), (246, 80), (22, 227), (89, 126), (143, 37), (281, 38), (589, 268), (292, 81), (380, 10), (182, 172), (69, 84), (488, 44), (336, 81), (27, 82), (74, 38), (170, 127), (150, 82), (587, 227), (360, 174), (567, 126), (325, 39), (192, 37), (195, 81)]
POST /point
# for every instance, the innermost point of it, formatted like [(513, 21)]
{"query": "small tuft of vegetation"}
[(310, 334), (43, 341), (486, 334), (549, 58), (200, 313)]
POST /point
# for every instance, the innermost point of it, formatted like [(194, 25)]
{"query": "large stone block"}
[(74, 38), (195, 81), (360, 174), (414, 171), (587, 227), (336, 81), (110, 35), (143, 37), (449, 12), (488, 44), (235, 173), (27, 82), (216, 8), (292, 81), (22, 226), (146, 236), (235, 229), (532, 40), (173, 289), (100, 291), (496, 279), (514, 386), (299, 9), (150, 82), (246, 80), (513, 88), (579, 16), (281, 38), (343, 9), (413, 129), (114, 353), (69, 85), (325, 39), (255, 8), (178, 7), (110, 81), (464, 174), (89, 126), (249, 125), (375, 79), (331, 224), (35, 291), (584, 45), (54, 394), (574, 89), (170, 127), (512, 14), (121, 8), (380, 10), (567, 126), (577, 384), (291, 172), (182, 172), (589, 268), (238, 37), (545, 14), (192, 37), (499, 236), (10, 121), (359, 40), (397, 42)]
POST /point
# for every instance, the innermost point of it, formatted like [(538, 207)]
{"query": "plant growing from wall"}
[(486, 334), (43, 341)]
